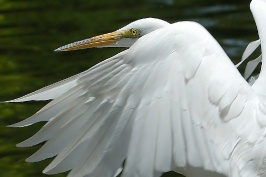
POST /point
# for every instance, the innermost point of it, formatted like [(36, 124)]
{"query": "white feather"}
[(252, 46), (172, 101)]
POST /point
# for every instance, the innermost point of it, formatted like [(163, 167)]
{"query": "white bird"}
[(172, 101)]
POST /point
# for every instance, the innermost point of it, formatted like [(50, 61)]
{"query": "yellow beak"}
[(97, 41)]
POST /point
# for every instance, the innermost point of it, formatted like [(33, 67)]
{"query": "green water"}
[(31, 30)]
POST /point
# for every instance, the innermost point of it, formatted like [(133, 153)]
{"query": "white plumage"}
[(172, 101)]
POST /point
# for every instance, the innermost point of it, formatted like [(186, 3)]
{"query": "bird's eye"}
[(135, 32)]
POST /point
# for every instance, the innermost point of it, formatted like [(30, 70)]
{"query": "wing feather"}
[(172, 101), (57, 124), (179, 141), (63, 135), (50, 110), (163, 161), (55, 90)]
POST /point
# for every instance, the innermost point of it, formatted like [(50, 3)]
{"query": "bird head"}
[(124, 37)]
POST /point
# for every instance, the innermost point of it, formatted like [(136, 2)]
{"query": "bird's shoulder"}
[(184, 39)]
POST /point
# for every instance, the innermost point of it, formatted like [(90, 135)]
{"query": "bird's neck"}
[(258, 8)]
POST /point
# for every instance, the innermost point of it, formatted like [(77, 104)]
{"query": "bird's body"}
[(172, 101)]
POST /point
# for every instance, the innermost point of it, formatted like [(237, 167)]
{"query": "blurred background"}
[(31, 29)]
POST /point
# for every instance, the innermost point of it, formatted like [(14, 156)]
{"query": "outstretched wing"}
[(172, 100)]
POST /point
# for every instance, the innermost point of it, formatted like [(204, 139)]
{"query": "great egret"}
[(172, 101)]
